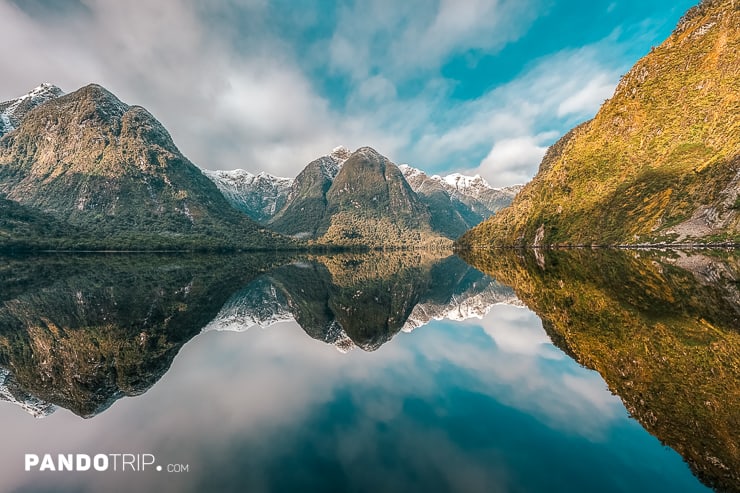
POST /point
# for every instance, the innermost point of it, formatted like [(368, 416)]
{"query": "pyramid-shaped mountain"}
[(363, 199)]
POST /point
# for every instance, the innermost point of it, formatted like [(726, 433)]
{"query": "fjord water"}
[(374, 372)]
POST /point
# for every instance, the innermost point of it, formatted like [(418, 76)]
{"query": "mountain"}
[(356, 200), (259, 196), (14, 111), (370, 199), (457, 202), (112, 171), (660, 162), (305, 204), (667, 342)]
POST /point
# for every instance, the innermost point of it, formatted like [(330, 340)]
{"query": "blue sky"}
[(476, 86)]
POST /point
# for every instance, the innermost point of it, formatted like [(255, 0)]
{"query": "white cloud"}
[(512, 160), (234, 99), (507, 130), (404, 38)]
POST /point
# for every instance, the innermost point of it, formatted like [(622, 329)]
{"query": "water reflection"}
[(352, 300), (662, 328), (477, 398), (82, 332)]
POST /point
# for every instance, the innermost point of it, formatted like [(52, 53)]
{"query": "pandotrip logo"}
[(98, 463)]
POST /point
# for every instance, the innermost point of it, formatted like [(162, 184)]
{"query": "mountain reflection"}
[(82, 332), (663, 330), (352, 300)]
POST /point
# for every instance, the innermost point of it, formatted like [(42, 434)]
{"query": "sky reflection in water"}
[(482, 405)]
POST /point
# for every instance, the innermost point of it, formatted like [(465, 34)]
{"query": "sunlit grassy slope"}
[(659, 162)]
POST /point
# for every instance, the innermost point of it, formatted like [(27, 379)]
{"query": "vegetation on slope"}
[(659, 162)]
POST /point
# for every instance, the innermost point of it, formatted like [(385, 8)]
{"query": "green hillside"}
[(660, 162)]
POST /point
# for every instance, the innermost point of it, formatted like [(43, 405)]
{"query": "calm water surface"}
[(373, 372)]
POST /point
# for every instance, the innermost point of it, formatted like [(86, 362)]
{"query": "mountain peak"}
[(45, 88), (368, 151), (99, 94), (340, 153), (459, 181), (14, 111)]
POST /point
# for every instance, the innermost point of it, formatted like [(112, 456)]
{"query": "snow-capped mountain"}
[(332, 163), (456, 202), (259, 196), (473, 191), (263, 195), (13, 111), (11, 392)]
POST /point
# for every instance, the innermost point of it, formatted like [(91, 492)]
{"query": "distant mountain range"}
[(457, 202), (259, 196), (660, 162), (299, 207)]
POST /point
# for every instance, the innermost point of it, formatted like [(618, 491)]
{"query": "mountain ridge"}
[(456, 202), (13, 111)]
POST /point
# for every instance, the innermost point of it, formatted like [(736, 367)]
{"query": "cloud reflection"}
[(442, 408)]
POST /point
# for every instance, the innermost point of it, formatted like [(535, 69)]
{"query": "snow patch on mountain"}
[(259, 196), (340, 154), (12, 112), (332, 163), (457, 183), (11, 391)]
